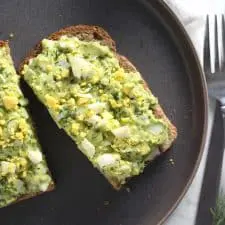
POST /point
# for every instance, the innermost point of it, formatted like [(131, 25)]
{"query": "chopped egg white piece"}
[(102, 123), (97, 121), (7, 167), (97, 107), (122, 132), (48, 43), (94, 120), (66, 45), (35, 156), (156, 128), (88, 148), (107, 159), (85, 95), (81, 67), (44, 186)]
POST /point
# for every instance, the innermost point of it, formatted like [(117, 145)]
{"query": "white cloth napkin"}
[(192, 14)]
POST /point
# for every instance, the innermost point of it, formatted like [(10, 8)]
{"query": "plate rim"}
[(205, 99)]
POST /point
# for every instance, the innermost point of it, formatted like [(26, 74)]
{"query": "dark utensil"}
[(216, 85), (211, 180), (154, 40)]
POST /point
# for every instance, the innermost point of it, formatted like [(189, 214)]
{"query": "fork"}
[(215, 80), (216, 89)]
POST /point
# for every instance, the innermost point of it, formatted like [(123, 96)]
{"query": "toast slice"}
[(99, 98), (23, 169)]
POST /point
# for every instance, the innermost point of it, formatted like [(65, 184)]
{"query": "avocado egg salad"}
[(23, 170), (105, 109)]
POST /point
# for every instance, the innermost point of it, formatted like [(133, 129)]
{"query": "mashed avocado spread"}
[(23, 170), (105, 109)]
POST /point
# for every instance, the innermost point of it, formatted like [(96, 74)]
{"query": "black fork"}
[(215, 79)]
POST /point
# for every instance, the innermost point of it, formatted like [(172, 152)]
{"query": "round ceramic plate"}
[(153, 39)]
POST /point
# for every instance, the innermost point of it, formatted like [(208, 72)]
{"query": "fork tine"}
[(216, 42), (206, 61), (223, 42)]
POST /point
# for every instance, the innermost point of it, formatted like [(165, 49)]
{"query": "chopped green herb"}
[(219, 211)]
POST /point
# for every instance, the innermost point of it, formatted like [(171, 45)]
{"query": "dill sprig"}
[(219, 211)]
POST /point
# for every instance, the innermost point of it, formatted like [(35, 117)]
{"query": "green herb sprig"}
[(219, 211)]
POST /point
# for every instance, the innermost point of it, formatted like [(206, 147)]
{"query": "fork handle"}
[(212, 175)]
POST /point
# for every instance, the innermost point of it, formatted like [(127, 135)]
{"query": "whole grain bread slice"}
[(95, 33), (51, 185)]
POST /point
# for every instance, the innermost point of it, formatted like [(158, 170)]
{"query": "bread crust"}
[(90, 33), (51, 187)]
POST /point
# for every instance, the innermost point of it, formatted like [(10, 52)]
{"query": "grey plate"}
[(152, 38)]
